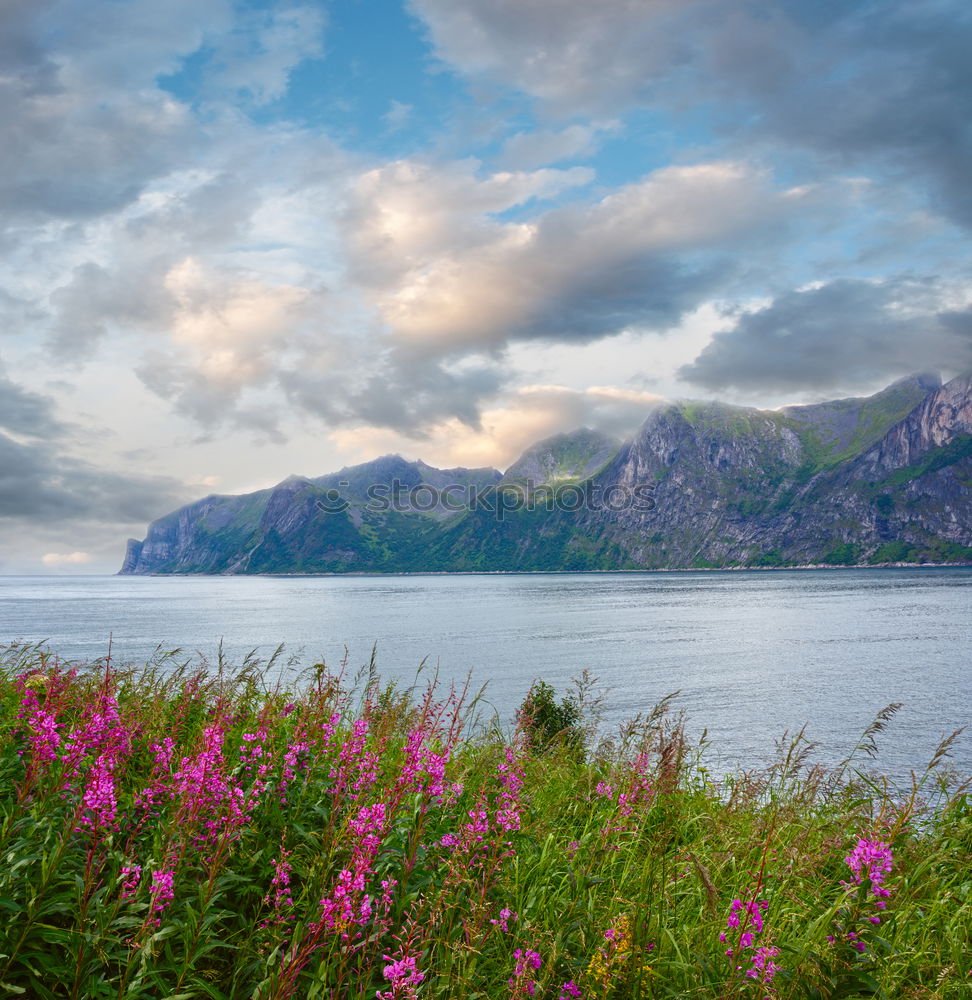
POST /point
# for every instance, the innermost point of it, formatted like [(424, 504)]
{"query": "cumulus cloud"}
[(25, 413), (447, 279), (578, 56), (435, 281), (66, 558), (85, 128), (507, 428), (86, 121), (889, 86), (258, 56), (40, 483), (400, 216), (843, 333), (391, 390), (539, 147)]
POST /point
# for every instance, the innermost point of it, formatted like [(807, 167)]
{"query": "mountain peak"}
[(575, 455), (873, 480)]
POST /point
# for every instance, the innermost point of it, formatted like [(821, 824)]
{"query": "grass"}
[(174, 832)]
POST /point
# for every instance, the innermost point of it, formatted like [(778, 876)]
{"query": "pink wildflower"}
[(161, 892), (131, 876), (871, 860), (279, 896), (98, 798), (505, 915), (511, 779), (42, 730), (763, 966), (403, 975), (521, 983)]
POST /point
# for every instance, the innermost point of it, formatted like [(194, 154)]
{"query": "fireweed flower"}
[(161, 893), (387, 888), (160, 788), (100, 733), (569, 991), (98, 798), (747, 919), (763, 967), (294, 759), (349, 760), (639, 790), (403, 976), (423, 770), (472, 835), (505, 915), (279, 897), (511, 781), (131, 875), (253, 753), (871, 860), (42, 727), (209, 798), (521, 983), (348, 904)]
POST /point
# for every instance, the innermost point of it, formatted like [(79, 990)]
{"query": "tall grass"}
[(173, 832)]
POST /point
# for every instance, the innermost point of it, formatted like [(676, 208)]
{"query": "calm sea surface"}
[(752, 653)]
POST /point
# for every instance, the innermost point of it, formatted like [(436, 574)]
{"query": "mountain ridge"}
[(860, 481)]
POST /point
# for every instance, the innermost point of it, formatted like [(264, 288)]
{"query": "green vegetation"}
[(168, 832), (891, 552), (844, 554), (958, 448), (840, 430)]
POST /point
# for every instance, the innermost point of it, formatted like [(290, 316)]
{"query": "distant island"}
[(883, 479)]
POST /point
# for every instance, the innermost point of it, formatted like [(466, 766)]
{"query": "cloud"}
[(885, 87), (88, 125), (85, 128), (25, 413), (435, 281), (256, 59), (578, 56), (401, 215), (39, 483), (166, 218), (66, 558), (447, 280), (397, 115), (506, 429), (391, 390), (840, 334), (540, 147)]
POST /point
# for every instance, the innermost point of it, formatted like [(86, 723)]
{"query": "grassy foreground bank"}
[(169, 832)]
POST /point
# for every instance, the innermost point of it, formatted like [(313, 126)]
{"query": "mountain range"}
[(874, 480)]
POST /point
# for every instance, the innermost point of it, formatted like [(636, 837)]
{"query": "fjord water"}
[(752, 653)]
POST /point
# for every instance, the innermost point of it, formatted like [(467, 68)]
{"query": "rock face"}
[(879, 479), (563, 458)]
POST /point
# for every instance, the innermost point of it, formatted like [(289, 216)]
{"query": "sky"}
[(245, 239)]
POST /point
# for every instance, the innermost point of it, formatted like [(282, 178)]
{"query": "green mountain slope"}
[(886, 478)]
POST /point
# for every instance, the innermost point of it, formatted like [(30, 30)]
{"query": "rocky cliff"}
[(885, 478)]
